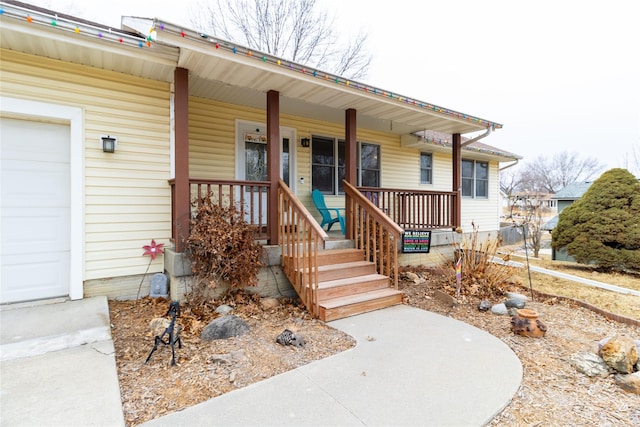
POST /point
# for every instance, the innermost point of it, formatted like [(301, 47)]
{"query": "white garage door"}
[(35, 210)]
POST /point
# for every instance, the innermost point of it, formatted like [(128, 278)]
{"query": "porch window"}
[(369, 165), (327, 164), (475, 179), (426, 168)]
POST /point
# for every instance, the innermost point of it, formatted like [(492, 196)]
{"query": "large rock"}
[(499, 309), (224, 327), (515, 295), (590, 364), (484, 305), (629, 383), (224, 309), (411, 276), (620, 353), (515, 303)]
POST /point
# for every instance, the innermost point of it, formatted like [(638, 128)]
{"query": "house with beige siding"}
[(191, 114)]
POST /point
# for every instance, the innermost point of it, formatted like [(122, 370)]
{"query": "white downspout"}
[(478, 138), (508, 166)]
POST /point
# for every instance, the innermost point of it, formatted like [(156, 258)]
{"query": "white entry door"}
[(35, 210), (251, 159)]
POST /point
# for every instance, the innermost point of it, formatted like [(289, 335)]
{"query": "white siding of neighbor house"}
[(126, 196)]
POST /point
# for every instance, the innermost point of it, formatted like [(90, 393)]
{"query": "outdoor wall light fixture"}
[(108, 144), (305, 142)]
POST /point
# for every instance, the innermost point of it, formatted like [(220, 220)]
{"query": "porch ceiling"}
[(227, 72), (245, 81), (82, 42)]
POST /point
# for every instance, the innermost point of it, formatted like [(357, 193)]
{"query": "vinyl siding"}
[(484, 213), (212, 155), (126, 195)]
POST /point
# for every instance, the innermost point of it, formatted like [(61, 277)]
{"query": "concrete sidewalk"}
[(410, 367), (58, 365)]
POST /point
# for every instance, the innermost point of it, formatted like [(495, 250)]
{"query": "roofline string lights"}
[(236, 49), (443, 142), (115, 35), (71, 26)]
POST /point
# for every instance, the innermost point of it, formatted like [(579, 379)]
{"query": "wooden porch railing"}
[(373, 231), (250, 196), (300, 238), (415, 208)]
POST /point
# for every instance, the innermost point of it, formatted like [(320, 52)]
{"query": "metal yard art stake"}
[(459, 265), (526, 255)]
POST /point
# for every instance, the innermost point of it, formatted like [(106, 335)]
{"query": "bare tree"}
[(291, 29), (631, 160), (550, 174), (510, 182)]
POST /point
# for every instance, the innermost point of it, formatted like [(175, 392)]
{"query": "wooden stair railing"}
[(373, 231), (335, 283), (300, 237)]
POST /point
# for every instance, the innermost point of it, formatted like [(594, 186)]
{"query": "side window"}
[(467, 178), (426, 168), (482, 179), (475, 179)]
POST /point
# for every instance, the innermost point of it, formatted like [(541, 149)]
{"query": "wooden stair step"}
[(351, 285), (343, 270), (333, 256), (338, 308)]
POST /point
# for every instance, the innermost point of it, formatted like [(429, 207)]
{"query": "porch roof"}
[(232, 73), (221, 70)]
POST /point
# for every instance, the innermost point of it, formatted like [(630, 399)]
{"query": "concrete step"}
[(39, 328)]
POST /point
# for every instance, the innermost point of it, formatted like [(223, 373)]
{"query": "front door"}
[(251, 165)]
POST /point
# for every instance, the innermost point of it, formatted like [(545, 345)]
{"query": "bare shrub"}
[(222, 248), (481, 277)]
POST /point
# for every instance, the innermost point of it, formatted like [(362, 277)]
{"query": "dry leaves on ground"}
[(552, 391), (208, 369)]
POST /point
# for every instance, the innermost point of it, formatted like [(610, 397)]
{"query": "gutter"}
[(477, 138), (508, 166)]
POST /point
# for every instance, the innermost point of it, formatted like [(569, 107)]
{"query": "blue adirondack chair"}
[(327, 218)]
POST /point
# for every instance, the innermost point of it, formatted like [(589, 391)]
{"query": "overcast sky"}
[(558, 74)]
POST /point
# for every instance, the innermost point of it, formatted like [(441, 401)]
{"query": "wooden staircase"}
[(348, 285)]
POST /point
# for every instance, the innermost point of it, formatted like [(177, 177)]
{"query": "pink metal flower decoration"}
[(153, 249)]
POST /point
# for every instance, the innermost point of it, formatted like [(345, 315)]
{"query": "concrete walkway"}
[(58, 365), (409, 367), (577, 279)]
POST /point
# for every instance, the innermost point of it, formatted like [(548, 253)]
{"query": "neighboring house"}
[(525, 199), (564, 198), (188, 113)]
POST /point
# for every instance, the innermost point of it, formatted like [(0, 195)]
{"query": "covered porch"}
[(248, 128)]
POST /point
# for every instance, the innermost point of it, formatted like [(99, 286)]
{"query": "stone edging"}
[(607, 314)]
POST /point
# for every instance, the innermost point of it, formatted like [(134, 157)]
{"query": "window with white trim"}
[(426, 168), (475, 179), (328, 164)]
